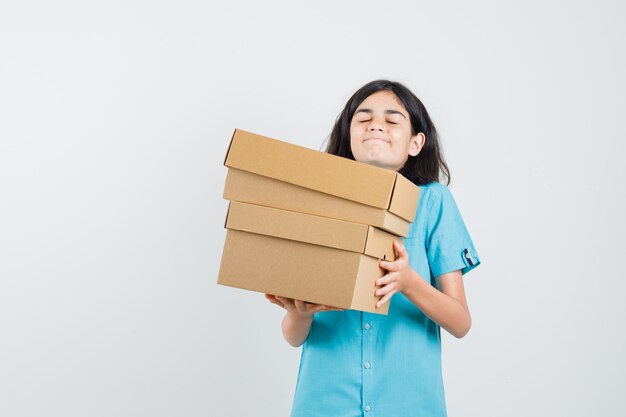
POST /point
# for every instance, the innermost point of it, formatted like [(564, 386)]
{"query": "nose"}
[(375, 125)]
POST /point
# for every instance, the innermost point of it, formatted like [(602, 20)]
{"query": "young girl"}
[(364, 364)]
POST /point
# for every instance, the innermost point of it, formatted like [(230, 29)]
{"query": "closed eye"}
[(369, 120)]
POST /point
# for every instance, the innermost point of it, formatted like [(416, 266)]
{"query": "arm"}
[(446, 307), (297, 322)]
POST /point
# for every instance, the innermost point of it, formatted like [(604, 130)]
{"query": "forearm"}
[(296, 329), (441, 308)]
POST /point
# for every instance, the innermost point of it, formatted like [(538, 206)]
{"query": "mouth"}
[(376, 139)]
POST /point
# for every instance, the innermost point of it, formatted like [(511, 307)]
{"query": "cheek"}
[(353, 135), (353, 130), (354, 149), (403, 137)]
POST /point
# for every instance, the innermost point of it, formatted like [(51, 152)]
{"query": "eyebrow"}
[(388, 111)]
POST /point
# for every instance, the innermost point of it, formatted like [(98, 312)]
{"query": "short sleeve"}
[(448, 244)]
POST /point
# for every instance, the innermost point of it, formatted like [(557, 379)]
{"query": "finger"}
[(390, 266), (277, 302), (287, 302), (385, 299), (386, 289), (328, 308), (331, 308), (272, 299), (401, 250), (386, 279), (320, 308), (315, 308), (301, 306)]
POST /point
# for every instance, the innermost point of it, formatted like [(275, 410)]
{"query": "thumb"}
[(400, 249)]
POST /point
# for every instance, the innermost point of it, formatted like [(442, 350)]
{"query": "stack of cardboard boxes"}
[(308, 225)]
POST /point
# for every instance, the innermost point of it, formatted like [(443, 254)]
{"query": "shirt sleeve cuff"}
[(466, 262)]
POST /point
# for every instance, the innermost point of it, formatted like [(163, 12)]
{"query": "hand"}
[(399, 276), (298, 308)]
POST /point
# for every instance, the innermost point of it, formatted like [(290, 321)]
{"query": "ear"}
[(416, 144)]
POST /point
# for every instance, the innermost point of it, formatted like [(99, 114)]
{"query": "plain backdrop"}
[(114, 121)]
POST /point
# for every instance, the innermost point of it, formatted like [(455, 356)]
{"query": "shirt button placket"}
[(369, 340)]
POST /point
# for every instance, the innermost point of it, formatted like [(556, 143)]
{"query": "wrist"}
[(414, 283)]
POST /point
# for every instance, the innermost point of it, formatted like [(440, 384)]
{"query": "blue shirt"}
[(363, 364)]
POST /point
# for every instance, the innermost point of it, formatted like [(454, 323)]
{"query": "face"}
[(380, 132)]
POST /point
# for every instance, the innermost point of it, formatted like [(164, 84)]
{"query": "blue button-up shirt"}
[(363, 364)]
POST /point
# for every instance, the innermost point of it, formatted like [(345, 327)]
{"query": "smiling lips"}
[(376, 139)]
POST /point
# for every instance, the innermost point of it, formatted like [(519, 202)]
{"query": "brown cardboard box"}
[(256, 189), (338, 234), (296, 255), (319, 171)]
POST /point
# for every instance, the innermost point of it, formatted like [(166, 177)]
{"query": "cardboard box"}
[(326, 173), (311, 258), (252, 188), (338, 234)]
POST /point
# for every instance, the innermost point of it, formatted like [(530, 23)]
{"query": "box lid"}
[(251, 188), (331, 174), (323, 231)]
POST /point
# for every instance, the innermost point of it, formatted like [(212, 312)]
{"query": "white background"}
[(114, 121)]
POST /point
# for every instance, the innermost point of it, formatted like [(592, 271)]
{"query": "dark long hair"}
[(425, 167)]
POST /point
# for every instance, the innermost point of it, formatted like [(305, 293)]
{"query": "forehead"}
[(383, 100)]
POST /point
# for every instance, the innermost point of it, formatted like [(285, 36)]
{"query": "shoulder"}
[(435, 194)]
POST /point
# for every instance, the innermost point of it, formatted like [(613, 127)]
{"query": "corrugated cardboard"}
[(256, 189), (288, 268), (319, 171), (338, 234)]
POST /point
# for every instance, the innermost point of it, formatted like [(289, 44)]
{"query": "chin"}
[(377, 163)]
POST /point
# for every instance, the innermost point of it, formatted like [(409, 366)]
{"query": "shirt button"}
[(367, 365), (367, 326), (368, 408)]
